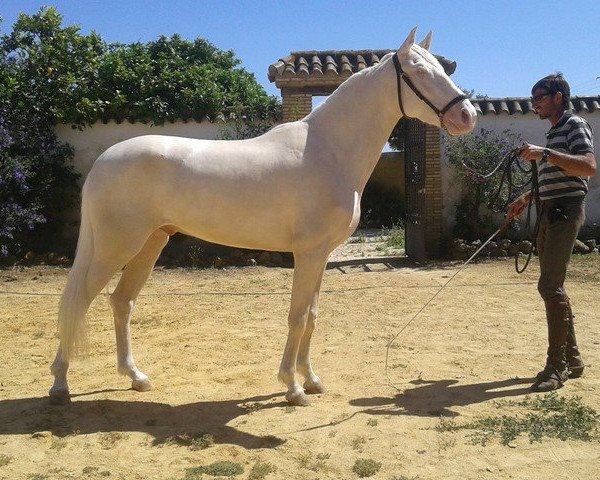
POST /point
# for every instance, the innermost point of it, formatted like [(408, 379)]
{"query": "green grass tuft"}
[(365, 467), (216, 469), (198, 441), (260, 470)]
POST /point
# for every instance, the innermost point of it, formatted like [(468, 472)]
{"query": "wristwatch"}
[(545, 154)]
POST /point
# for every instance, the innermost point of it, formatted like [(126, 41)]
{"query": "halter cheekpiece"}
[(402, 75)]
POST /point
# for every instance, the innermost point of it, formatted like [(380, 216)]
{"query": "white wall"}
[(533, 131), (90, 142)]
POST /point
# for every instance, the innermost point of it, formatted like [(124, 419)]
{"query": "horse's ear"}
[(409, 42), (426, 43)]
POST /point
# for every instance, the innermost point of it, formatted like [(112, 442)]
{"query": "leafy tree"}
[(50, 73)]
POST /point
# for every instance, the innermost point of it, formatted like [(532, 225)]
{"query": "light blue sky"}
[(501, 47)]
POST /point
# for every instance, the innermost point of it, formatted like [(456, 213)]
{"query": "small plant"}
[(260, 470), (58, 444), (396, 237), (109, 440), (365, 467), (224, 468), (4, 459), (306, 461), (195, 256), (198, 441), (372, 422), (358, 442)]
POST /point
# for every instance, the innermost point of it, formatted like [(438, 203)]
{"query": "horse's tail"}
[(74, 303)]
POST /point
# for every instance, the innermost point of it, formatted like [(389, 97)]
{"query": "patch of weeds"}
[(252, 407), (404, 477), (323, 456), (372, 422), (360, 238), (549, 416), (358, 442), (306, 461), (225, 468), (395, 237), (109, 440), (37, 476), (58, 443), (445, 443), (195, 256), (95, 471), (365, 467), (198, 441), (5, 459), (260, 470), (584, 268)]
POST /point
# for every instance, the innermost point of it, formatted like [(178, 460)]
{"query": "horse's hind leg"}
[(99, 256), (79, 300), (123, 299)]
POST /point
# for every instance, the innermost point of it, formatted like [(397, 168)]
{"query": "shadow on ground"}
[(436, 397), (160, 420)]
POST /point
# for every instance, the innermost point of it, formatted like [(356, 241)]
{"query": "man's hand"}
[(533, 153), (516, 208)]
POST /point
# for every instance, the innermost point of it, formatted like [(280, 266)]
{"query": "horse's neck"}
[(356, 120)]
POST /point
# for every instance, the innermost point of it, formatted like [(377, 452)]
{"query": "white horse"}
[(296, 189)]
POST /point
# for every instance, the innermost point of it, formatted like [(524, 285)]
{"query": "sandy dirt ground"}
[(211, 341)]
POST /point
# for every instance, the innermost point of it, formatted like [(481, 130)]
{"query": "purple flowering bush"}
[(473, 156), (36, 186)]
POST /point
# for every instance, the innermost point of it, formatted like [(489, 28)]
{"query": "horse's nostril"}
[(467, 117)]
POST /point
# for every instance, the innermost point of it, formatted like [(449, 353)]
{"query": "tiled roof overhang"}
[(513, 105), (321, 72)]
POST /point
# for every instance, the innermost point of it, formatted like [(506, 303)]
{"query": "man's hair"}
[(553, 84)]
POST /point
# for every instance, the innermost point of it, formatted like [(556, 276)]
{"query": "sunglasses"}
[(540, 97)]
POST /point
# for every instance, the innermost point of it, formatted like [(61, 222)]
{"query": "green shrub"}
[(365, 467)]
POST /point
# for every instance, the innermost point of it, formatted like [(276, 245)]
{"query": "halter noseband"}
[(402, 75)]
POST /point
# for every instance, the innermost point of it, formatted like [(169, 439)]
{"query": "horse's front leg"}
[(312, 382), (308, 272)]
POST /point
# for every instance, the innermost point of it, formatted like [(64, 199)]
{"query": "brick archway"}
[(302, 75)]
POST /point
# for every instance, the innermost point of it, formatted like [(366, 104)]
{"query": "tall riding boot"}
[(555, 374), (573, 356)]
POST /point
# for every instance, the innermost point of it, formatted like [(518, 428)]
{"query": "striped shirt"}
[(573, 135)]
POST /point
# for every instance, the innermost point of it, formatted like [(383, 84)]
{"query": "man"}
[(564, 166)]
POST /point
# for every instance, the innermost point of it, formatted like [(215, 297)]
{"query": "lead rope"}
[(510, 160), (389, 345)]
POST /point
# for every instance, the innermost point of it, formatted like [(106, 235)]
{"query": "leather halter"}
[(402, 75)]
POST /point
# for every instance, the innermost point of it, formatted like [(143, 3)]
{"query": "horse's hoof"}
[(313, 387), (59, 397), (299, 399), (142, 385)]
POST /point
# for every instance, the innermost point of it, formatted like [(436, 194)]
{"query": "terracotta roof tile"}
[(331, 62), (522, 105)]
